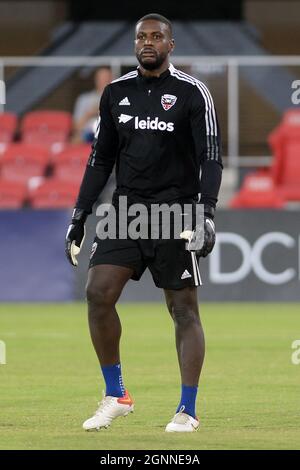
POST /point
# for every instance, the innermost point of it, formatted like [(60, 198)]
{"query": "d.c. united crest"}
[(167, 101)]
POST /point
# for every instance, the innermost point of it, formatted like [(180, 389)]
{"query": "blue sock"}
[(188, 400), (113, 380)]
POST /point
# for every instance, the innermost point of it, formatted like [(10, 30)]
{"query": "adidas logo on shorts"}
[(185, 274)]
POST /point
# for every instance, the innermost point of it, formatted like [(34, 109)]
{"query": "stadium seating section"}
[(47, 128), (8, 125), (53, 193), (12, 194), (43, 169), (280, 184), (39, 167), (69, 165)]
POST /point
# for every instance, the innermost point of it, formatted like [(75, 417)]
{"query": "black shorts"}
[(171, 265)]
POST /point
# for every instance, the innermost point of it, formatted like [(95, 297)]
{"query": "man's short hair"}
[(157, 17)]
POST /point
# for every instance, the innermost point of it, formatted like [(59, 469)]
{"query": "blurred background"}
[(56, 58)]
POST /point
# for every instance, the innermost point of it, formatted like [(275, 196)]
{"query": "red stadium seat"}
[(69, 165), (47, 128), (258, 191), (12, 194), (8, 125), (260, 181), (258, 200), (53, 194), (291, 118), (20, 162), (285, 144), (281, 183)]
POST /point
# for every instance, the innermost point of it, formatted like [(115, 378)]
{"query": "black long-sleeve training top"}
[(163, 135)]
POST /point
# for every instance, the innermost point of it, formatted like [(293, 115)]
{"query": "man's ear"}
[(172, 45)]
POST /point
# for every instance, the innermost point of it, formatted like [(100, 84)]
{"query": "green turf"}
[(249, 393)]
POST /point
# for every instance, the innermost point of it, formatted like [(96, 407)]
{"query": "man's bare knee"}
[(184, 315), (101, 295), (183, 307), (105, 284)]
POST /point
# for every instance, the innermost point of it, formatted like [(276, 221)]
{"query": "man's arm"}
[(207, 141), (99, 167)]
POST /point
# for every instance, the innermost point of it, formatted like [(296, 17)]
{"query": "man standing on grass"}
[(159, 126)]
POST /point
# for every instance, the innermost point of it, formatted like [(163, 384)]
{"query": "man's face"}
[(153, 43)]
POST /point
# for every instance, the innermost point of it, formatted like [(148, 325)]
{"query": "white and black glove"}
[(75, 235), (202, 239)]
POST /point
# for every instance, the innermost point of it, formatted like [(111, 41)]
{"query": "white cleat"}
[(182, 422), (109, 409)]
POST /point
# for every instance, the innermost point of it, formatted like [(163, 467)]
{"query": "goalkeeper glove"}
[(202, 238), (75, 235)]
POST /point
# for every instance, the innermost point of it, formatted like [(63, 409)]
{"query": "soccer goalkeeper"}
[(159, 126)]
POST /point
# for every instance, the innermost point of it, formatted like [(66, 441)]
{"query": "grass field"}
[(248, 397)]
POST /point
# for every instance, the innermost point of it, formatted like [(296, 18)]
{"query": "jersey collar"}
[(163, 75)]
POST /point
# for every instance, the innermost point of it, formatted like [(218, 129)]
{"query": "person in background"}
[(86, 109)]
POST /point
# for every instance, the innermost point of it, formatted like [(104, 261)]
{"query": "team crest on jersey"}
[(167, 101)]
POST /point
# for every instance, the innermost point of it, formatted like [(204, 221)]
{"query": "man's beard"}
[(153, 65)]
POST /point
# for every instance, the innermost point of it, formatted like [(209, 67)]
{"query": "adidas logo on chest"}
[(124, 102)]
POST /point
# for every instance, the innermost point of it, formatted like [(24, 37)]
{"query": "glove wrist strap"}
[(79, 215), (209, 211)]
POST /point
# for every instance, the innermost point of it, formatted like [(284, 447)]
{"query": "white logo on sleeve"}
[(185, 274), (124, 118), (96, 127), (124, 102), (94, 248)]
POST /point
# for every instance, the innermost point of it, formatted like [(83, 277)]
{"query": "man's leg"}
[(183, 307), (104, 286)]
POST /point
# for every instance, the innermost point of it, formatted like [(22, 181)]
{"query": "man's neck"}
[(156, 72)]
